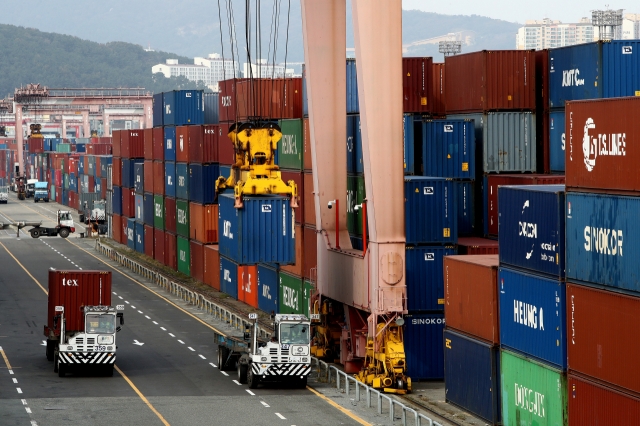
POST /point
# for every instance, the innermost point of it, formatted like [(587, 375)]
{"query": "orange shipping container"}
[(203, 220), (248, 284), (182, 143), (269, 98), (212, 266), (116, 171), (116, 222), (196, 250), (298, 267), (115, 137), (148, 176), (310, 211)]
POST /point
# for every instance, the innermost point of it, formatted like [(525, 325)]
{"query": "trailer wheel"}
[(34, 233), (253, 380), (51, 344), (64, 232), (242, 373), (223, 354)]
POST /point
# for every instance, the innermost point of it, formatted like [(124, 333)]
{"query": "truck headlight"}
[(105, 340), (263, 359)]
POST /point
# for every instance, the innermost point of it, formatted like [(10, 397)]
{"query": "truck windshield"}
[(100, 323), (294, 334), (65, 216)]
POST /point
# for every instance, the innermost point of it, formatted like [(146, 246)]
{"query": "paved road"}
[(165, 359)]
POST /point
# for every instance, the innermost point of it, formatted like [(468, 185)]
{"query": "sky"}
[(515, 11)]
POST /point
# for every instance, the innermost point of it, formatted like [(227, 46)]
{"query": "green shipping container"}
[(355, 195), (63, 147), (158, 209), (52, 196), (532, 393), (182, 218), (308, 292), (291, 294), (184, 256), (291, 147), (65, 181)]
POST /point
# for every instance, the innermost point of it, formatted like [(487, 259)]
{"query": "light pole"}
[(607, 22)]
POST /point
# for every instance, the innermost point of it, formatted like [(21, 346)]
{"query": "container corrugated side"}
[(158, 108), (531, 228), (170, 179), (417, 90), (291, 294), (425, 277), (182, 218), (448, 148), (170, 250), (212, 266), (298, 178), (211, 114), (148, 209), (532, 316), (556, 141), (603, 240), (203, 222), (575, 72), (433, 198), (354, 145), (228, 277), (268, 289), (183, 107), (472, 375), (620, 64), (158, 245), (424, 347), (248, 284), (355, 195), (184, 255), (139, 243), (169, 143), (297, 267), (412, 142), (182, 181), (196, 265), (158, 143), (201, 182), (509, 142), (291, 147), (170, 214), (465, 194), (158, 177), (148, 241), (477, 246)]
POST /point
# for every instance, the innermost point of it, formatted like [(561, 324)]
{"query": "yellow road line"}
[(142, 397), (25, 269), (6, 360), (339, 408)]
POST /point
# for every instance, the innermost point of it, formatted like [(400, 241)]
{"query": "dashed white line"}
[(236, 382), (202, 356), (28, 410), (225, 373), (264, 403), (191, 349), (213, 365), (181, 341), (24, 401), (162, 328), (19, 390), (120, 297), (127, 302), (114, 293), (250, 393), (281, 416), (139, 311), (147, 317), (15, 380), (154, 322), (34, 423), (10, 371), (171, 335), (80, 268), (133, 307)]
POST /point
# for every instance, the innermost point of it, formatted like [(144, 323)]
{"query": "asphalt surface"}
[(165, 367)]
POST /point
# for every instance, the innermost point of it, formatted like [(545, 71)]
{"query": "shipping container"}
[(268, 289), (556, 141), (182, 218), (261, 232), (158, 212), (158, 172), (412, 143), (269, 98), (298, 178), (128, 203), (182, 142), (448, 148), (116, 171), (353, 103), (355, 197), (425, 277), (182, 181), (291, 146), (158, 245), (116, 200), (493, 182), (531, 228), (297, 267), (196, 265), (170, 250), (139, 237), (465, 195), (170, 214), (438, 105), (475, 245), (148, 211), (354, 145), (490, 81), (308, 200), (603, 159), (602, 240), (201, 182), (203, 144), (424, 347), (184, 255), (119, 231), (417, 88), (433, 198), (211, 115), (306, 141), (592, 403), (158, 110), (228, 277), (575, 72), (170, 179), (157, 134), (310, 243), (305, 96), (212, 266), (227, 101), (148, 241), (138, 177), (148, 181), (131, 233), (203, 223), (532, 393), (291, 293), (135, 140), (248, 284), (148, 143), (532, 316), (139, 208), (472, 376), (128, 173), (169, 143), (183, 107)]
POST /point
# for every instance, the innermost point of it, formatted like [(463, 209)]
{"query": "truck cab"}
[(4, 194), (30, 187), (41, 192)]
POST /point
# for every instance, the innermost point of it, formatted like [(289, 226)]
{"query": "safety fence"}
[(218, 311), (408, 416)]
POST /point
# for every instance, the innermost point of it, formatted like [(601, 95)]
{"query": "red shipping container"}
[(298, 178), (158, 177), (116, 171), (597, 155), (197, 260), (203, 223), (125, 146), (170, 214), (592, 403), (171, 250), (36, 145), (307, 160), (98, 162), (116, 136), (147, 135), (475, 245), (298, 267), (182, 144), (490, 81), (542, 79), (226, 153), (116, 224), (89, 288), (603, 337), (471, 295), (92, 184), (212, 266), (158, 143), (310, 211), (136, 143), (158, 245), (203, 144), (149, 176), (148, 240), (417, 90), (494, 181), (248, 284), (269, 98), (310, 241), (128, 202), (57, 178), (438, 107), (103, 188), (227, 99)]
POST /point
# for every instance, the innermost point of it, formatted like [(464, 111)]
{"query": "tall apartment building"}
[(209, 70), (261, 69), (631, 26), (548, 34)]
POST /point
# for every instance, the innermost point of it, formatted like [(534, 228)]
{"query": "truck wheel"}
[(223, 353), (302, 383), (64, 232), (35, 201), (242, 373), (56, 361), (46, 200), (51, 344), (34, 233), (253, 380)]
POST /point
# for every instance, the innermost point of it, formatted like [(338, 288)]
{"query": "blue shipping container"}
[(182, 181), (105, 161), (466, 206), (556, 141), (140, 237), (430, 210), (139, 206), (353, 104), (138, 178), (169, 144), (411, 142), (148, 209), (472, 375), (356, 242), (128, 173), (80, 147), (423, 346), (533, 315), (425, 277), (448, 148), (620, 65), (183, 107), (531, 227), (354, 145), (131, 233), (268, 284), (158, 107), (603, 240), (170, 179), (73, 182), (201, 182), (81, 165), (575, 72), (260, 232), (229, 277), (225, 171)]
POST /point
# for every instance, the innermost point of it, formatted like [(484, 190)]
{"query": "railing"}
[(218, 311), (345, 381)]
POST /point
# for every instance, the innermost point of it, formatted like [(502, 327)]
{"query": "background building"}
[(547, 34), (262, 69), (209, 70)]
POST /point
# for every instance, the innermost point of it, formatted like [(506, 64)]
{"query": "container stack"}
[(603, 286)]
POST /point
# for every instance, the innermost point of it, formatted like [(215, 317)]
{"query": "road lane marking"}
[(139, 311), (24, 401), (281, 416), (6, 360), (264, 403), (154, 322), (142, 397), (213, 365), (28, 410), (181, 341), (250, 393), (191, 349), (15, 380), (170, 334), (147, 317), (236, 382), (25, 269), (19, 390), (202, 356), (162, 328), (120, 297), (339, 408), (225, 373), (133, 307)]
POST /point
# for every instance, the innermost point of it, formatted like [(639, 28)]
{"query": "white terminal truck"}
[(4, 194), (285, 358)]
